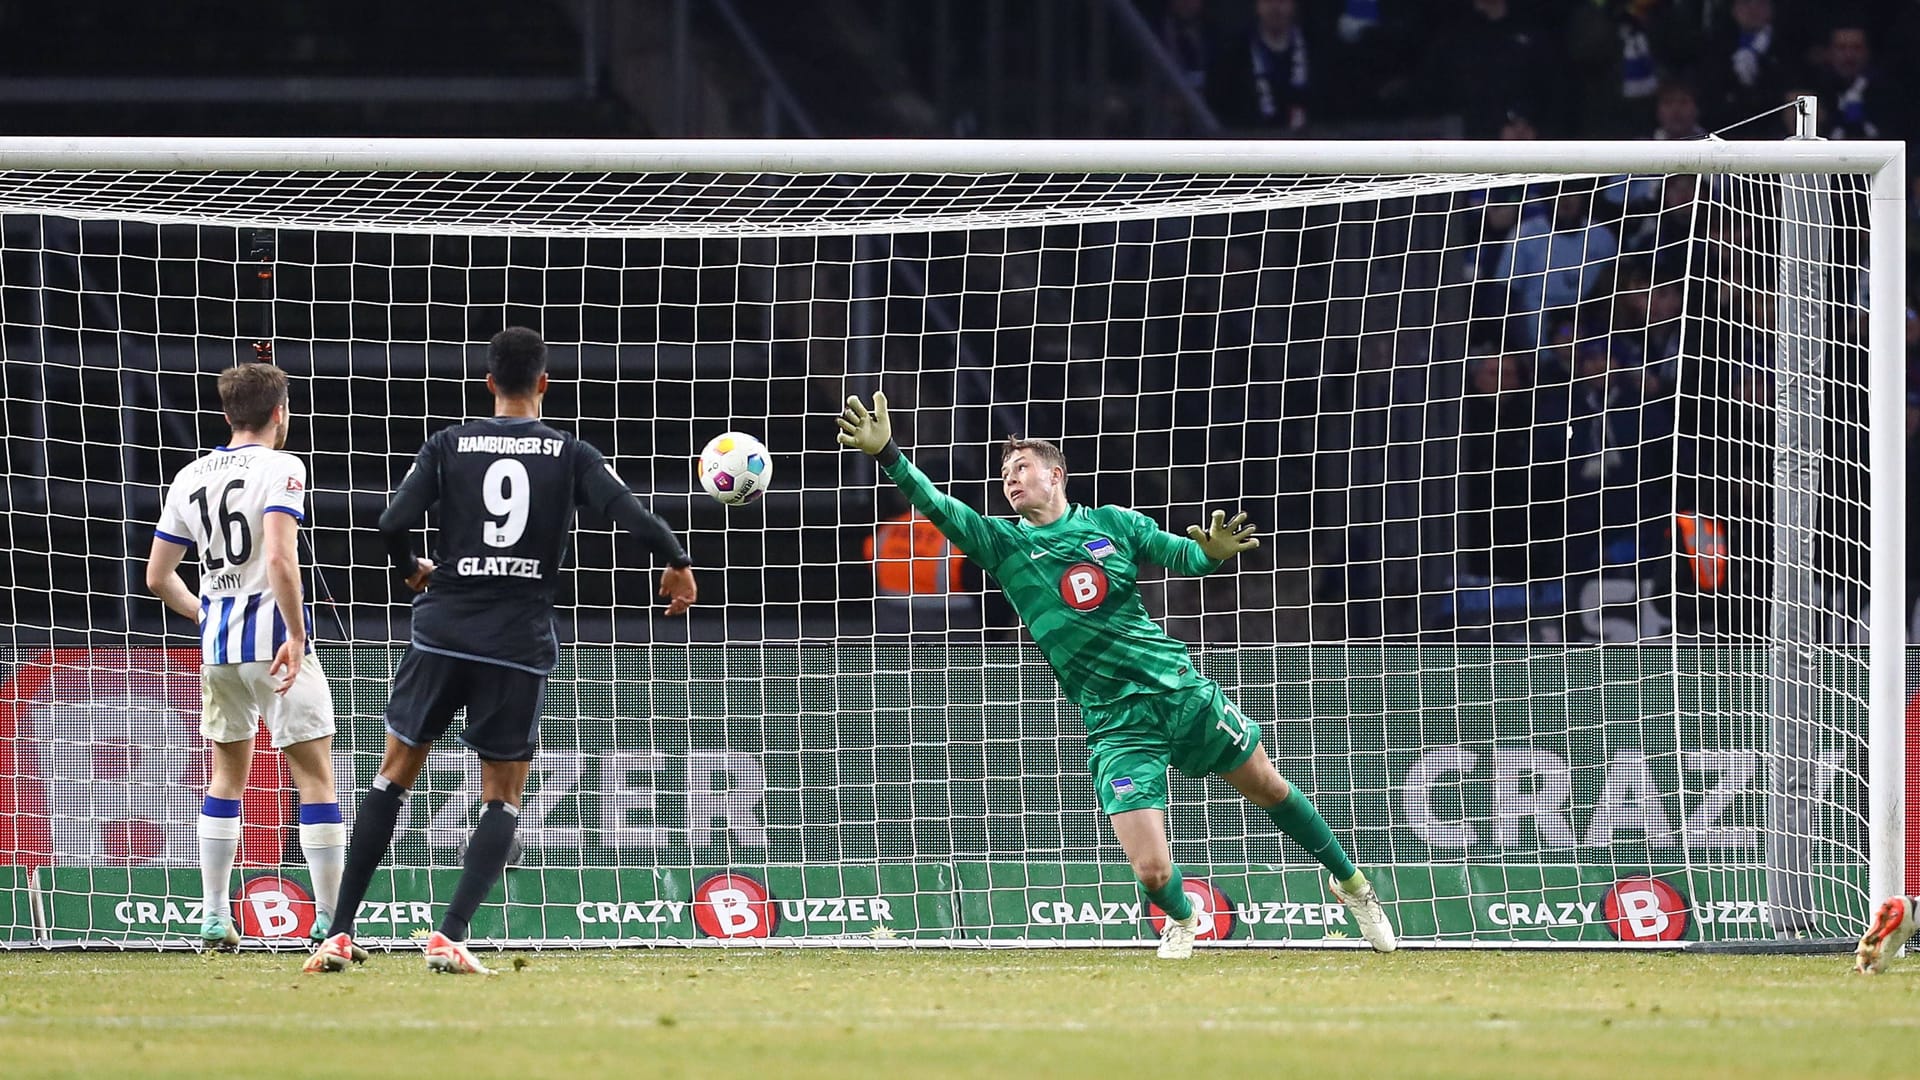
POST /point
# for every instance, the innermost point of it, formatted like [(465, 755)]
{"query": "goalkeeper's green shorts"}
[(1196, 730)]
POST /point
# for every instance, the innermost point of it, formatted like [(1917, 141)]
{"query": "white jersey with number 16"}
[(219, 505)]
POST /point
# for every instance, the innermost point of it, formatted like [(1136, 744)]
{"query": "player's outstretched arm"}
[(870, 431), (1199, 552), (1221, 539), (597, 486)]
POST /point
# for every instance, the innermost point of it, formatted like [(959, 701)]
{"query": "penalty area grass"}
[(999, 1013)]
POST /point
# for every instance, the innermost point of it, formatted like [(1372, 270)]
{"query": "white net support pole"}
[(1887, 779)]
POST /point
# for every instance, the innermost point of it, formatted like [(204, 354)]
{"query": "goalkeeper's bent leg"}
[(1297, 818), (1143, 836), (1168, 894)]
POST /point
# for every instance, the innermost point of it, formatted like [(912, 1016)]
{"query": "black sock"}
[(486, 857), (373, 830)]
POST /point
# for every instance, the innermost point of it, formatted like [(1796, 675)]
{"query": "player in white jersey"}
[(242, 506)]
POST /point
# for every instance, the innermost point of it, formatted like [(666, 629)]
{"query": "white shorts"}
[(232, 695)]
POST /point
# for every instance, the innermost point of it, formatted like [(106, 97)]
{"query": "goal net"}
[(1579, 472)]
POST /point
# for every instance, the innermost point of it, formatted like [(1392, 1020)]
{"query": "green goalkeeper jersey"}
[(1075, 584)]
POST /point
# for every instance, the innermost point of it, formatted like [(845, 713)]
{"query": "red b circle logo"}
[(1645, 909), (734, 906), (1215, 910), (274, 907), (1083, 586)]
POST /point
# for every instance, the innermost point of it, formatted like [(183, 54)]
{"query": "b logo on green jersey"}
[(1083, 586)]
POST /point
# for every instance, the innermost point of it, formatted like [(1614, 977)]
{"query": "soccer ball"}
[(735, 468)]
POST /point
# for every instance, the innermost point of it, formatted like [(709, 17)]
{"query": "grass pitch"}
[(1001, 1013)]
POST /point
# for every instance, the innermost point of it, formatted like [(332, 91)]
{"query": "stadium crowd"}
[(1592, 470), (1547, 68), (1511, 415)]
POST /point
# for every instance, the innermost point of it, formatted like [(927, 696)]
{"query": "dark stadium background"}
[(84, 378)]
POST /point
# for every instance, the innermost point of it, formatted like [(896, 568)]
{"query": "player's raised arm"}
[(870, 431), (598, 487), (418, 491), (1202, 550)]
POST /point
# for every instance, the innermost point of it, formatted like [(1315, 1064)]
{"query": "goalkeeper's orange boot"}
[(1892, 925), (449, 957)]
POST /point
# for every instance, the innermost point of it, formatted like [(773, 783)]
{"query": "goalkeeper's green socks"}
[(1171, 898), (1299, 820)]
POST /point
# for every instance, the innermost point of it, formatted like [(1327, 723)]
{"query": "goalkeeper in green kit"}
[(1071, 573)]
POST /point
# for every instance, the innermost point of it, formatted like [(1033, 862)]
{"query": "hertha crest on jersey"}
[(1099, 547)]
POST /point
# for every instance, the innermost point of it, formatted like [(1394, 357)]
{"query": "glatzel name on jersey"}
[(499, 566)]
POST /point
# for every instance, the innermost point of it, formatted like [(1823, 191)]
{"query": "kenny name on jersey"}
[(218, 505)]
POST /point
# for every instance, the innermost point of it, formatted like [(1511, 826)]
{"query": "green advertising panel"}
[(1493, 792), (561, 907), (928, 903), (1451, 754)]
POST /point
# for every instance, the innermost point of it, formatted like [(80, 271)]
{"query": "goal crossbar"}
[(966, 157)]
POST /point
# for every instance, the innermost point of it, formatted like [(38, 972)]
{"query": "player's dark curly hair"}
[(250, 392), (1049, 454), (516, 358)]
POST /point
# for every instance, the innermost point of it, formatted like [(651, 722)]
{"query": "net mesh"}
[(679, 204)]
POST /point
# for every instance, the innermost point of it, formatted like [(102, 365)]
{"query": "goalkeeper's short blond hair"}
[(1049, 454)]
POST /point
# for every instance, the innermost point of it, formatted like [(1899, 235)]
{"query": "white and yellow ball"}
[(735, 468)]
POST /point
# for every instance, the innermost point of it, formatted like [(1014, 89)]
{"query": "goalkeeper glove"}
[(867, 432), (1223, 539)]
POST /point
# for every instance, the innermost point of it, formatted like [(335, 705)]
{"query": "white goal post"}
[(1645, 682)]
